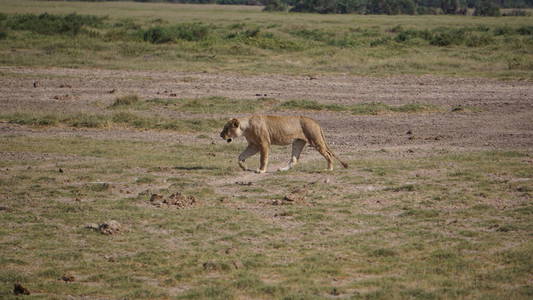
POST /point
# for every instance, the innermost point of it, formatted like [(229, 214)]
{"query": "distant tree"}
[(275, 5), (487, 8), (449, 7), (319, 6)]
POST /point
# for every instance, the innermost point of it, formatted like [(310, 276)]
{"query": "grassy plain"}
[(246, 40), (438, 226)]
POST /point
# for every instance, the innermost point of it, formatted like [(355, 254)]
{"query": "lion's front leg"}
[(249, 151), (264, 159)]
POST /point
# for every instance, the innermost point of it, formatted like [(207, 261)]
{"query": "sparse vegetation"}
[(359, 44), (117, 119), (371, 108)]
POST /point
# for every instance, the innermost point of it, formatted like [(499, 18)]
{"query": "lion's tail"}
[(344, 164)]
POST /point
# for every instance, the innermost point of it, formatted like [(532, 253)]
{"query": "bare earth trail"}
[(501, 118)]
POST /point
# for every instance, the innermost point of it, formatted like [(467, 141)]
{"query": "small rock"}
[(18, 289), (173, 95), (409, 132), (65, 86), (457, 108), (334, 292), (112, 91), (237, 264), (35, 83), (92, 226), (210, 266), (410, 151), (243, 183), (155, 198), (60, 170), (327, 180), (68, 278), (111, 227), (297, 195)]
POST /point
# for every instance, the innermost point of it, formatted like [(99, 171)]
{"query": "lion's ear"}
[(235, 123)]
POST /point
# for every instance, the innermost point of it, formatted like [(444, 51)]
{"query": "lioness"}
[(263, 131)]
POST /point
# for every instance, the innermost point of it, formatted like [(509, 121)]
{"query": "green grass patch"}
[(125, 119), (370, 108)]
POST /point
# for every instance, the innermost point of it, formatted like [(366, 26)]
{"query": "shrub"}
[(126, 100), (525, 30), (486, 8), (53, 24), (275, 5), (185, 31), (517, 13)]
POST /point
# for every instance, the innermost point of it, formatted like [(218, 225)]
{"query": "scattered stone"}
[(452, 222), (327, 181), (62, 97), (60, 170), (35, 83), (243, 183), (156, 199), (277, 202), (180, 200), (64, 85), (173, 95), (283, 214), (4, 208), (237, 264), (110, 258), (68, 278), (334, 292), (210, 266), (18, 289), (409, 132), (297, 195), (109, 228), (92, 226), (177, 200), (457, 108), (112, 91), (313, 78), (410, 151)]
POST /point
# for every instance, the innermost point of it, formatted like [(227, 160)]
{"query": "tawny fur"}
[(263, 131)]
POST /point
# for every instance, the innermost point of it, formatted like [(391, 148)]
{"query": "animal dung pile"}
[(295, 196), (177, 200)]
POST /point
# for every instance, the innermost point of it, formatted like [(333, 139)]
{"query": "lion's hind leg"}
[(322, 149), (297, 147)]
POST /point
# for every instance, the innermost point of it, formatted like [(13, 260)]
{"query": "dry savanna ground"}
[(115, 184)]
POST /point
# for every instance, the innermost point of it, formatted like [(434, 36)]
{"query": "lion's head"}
[(231, 130)]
